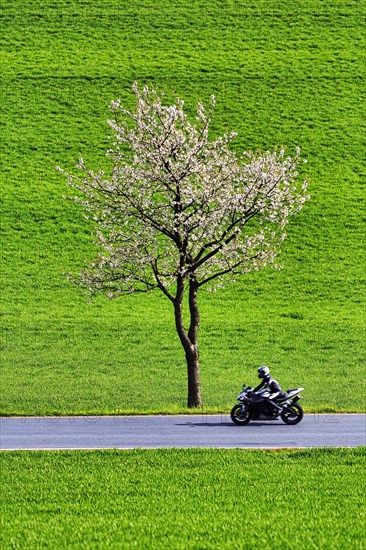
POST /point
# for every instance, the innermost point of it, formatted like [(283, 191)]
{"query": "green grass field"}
[(283, 72), (311, 499)]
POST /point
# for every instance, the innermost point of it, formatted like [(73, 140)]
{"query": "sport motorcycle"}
[(255, 406)]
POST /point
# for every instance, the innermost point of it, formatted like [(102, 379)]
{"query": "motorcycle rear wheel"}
[(292, 414), (239, 417)]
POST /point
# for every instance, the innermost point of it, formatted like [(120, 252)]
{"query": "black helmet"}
[(263, 371)]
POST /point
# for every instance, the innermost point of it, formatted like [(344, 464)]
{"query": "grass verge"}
[(183, 499)]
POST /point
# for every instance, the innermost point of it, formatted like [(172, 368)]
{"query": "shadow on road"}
[(228, 424)]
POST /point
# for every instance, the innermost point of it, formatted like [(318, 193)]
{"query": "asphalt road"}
[(127, 432)]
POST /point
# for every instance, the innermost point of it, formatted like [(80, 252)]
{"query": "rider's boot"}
[(277, 409)]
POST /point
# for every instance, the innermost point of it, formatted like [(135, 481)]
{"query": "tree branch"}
[(154, 266)]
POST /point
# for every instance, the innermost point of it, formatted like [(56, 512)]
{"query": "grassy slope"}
[(285, 72), (310, 499)]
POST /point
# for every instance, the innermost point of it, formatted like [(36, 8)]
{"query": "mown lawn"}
[(311, 499), (286, 72)]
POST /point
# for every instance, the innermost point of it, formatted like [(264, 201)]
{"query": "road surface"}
[(127, 432)]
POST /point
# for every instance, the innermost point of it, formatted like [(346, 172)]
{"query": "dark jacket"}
[(270, 384)]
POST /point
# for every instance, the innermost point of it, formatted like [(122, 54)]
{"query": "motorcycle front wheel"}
[(240, 417), (292, 414)]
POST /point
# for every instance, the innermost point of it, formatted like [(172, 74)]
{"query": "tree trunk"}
[(194, 380), (189, 340)]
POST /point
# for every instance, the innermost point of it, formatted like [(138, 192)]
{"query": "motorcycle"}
[(253, 406)]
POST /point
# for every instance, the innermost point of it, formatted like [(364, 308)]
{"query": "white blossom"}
[(179, 204)]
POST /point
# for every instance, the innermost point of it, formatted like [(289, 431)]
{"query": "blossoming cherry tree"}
[(179, 211)]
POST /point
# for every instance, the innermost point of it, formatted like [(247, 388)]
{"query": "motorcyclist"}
[(269, 384)]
